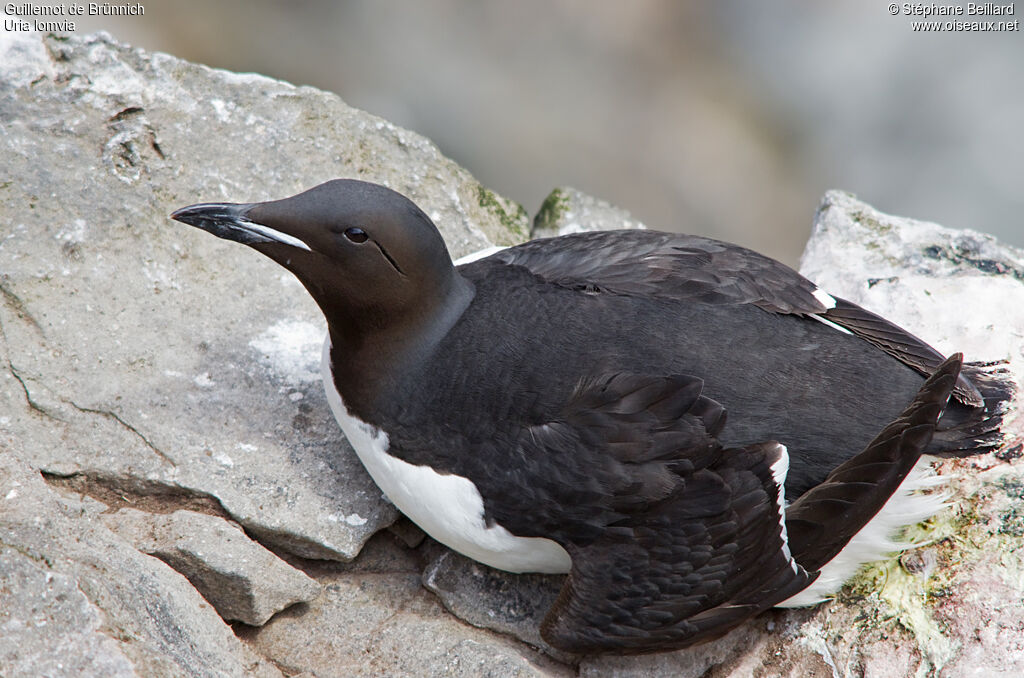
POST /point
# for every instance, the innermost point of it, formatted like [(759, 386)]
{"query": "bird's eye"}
[(355, 234)]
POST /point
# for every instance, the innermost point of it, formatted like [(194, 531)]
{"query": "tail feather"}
[(964, 431)]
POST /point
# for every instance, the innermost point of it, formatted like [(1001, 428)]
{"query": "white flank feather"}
[(876, 540)]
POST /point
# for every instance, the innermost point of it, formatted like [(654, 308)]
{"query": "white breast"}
[(447, 507)]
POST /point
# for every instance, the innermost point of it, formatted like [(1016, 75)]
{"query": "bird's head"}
[(368, 255)]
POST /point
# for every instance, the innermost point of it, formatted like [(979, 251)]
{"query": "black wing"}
[(692, 268), (706, 560), (676, 266), (898, 343), (674, 540)]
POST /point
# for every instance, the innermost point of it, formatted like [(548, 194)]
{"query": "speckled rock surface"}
[(372, 624), (151, 367), (75, 600), (241, 579), (375, 619), (491, 599), (959, 288), (176, 363), (148, 365)]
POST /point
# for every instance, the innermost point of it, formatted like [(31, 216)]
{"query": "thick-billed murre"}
[(560, 406)]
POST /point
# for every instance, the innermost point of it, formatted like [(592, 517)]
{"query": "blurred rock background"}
[(727, 119)]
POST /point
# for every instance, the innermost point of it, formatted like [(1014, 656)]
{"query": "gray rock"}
[(241, 579), (369, 624), (567, 210), (41, 610), (408, 532), (491, 599), (77, 601), (957, 289), (149, 357)]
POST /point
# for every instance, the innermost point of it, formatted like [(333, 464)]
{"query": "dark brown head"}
[(372, 260)]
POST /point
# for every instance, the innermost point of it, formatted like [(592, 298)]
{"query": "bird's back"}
[(820, 392)]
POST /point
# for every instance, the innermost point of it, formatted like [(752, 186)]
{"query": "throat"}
[(372, 353)]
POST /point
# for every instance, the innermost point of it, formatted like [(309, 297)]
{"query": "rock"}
[(567, 210), (75, 600), (491, 599), (151, 358), (408, 532), (957, 289), (241, 579), (370, 624), (33, 598)]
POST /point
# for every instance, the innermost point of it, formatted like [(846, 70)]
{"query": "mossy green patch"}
[(889, 580), (551, 210), (871, 223), (901, 600), (982, 527), (907, 600), (876, 227), (511, 214)]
